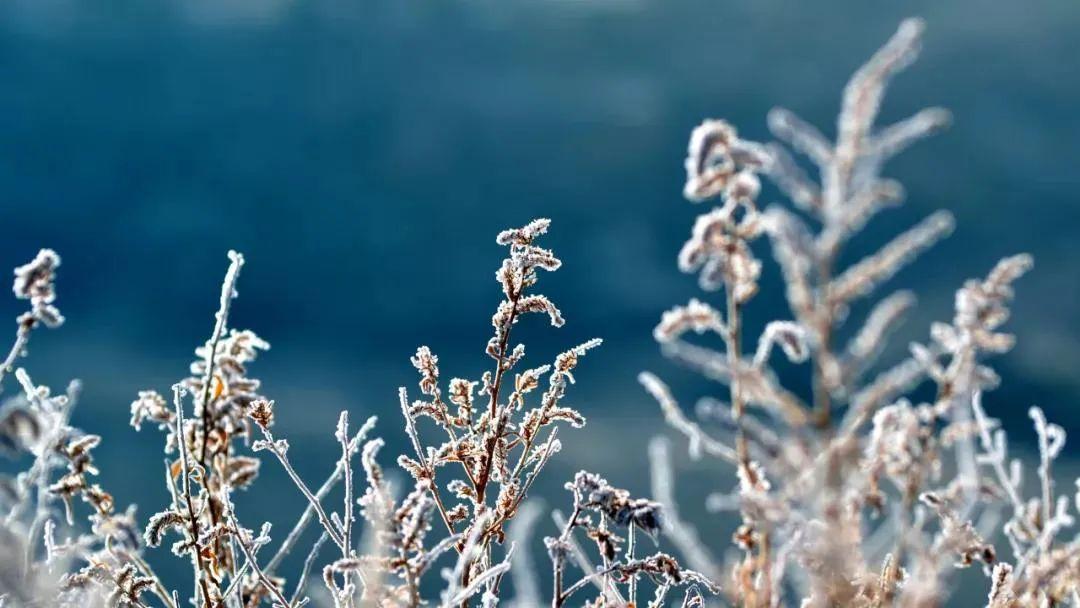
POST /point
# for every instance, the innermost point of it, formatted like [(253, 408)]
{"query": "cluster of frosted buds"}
[(594, 492), (462, 394), (230, 399), (151, 406), (981, 308), (427, 363), (231, 392), (262, 412), (718, 248), (957, 535), (518, 273), (902, 444), (897, 442), (34, 282), (716, 161), (719, 163), (75, 450), (665, 571), (124, 585)]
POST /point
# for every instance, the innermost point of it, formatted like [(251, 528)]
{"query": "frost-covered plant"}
[(494, 447), (495, 442), (497, 434), (617, 511), (497, 438), (858, 494), (853, 496), (45, 557)]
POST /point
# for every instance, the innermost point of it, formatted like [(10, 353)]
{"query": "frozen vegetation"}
[(854, 494)]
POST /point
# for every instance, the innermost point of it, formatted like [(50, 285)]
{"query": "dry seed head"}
[(34, 280), (262, 412), (524, 235)]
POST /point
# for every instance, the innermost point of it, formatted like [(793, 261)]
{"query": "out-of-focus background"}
[(363, 155)]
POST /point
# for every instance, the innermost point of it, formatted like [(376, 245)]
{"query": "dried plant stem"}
[(313, 501), (249, 554), (733, 341), (185, 485), (738, 409), (440, 506), (734, 344), (158, 587), (308, 563), (22, 337), (348, 500), (495, 423), (493, 403), (346, 525), (433, 488), (221, 318), (558, 596), (997, 463), (630, 546), (309, 510), (822, 398), (602, 573)]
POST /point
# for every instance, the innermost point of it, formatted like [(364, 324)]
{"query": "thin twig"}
[(309, 511), (185, 484)]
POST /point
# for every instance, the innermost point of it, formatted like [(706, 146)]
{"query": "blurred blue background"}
[(363, 155)]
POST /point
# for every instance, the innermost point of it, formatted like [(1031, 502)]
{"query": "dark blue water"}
[(363, 155)]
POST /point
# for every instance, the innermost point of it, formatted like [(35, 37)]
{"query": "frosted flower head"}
[(518, 271), (715, 156), (34, 281), (718, 249), (982, 306), (895, 441), (524, 235), (427, 363), (262, 412), (151, 406)]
